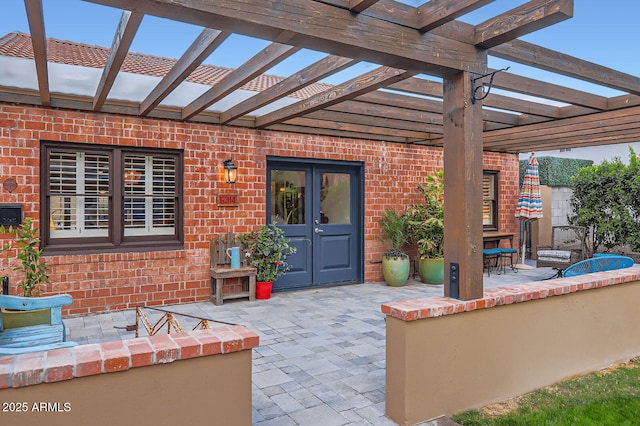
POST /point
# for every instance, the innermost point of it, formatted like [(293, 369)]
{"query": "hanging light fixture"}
[(230, 171)]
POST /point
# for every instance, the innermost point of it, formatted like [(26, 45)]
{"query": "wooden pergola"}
[(406, 42)]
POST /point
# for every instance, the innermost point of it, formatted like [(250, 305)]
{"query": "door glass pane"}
[(335, 198), (287, 197)]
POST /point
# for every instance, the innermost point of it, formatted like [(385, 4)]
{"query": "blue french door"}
[(319, 207)]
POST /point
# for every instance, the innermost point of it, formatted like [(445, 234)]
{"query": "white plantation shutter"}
[(164, 191), (79, 194), (488, 198), (149, 195)]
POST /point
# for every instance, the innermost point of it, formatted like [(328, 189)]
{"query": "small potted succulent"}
[(267, 249)]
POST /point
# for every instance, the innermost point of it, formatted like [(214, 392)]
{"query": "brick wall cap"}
[(416, 309), (110, 357)]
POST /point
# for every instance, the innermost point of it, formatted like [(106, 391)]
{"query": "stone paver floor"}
[(321, 359)]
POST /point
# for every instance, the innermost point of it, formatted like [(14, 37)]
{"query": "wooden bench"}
[(221, 270), (34, 338)]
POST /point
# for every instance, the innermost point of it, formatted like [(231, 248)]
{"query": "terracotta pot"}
[(263, 289)]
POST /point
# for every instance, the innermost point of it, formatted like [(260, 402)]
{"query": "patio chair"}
[(491, 260), (597, 264), (568, 246)]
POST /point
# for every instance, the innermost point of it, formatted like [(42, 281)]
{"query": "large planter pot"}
[(395, 270), (16, 319), (263, 289), (431, 271)]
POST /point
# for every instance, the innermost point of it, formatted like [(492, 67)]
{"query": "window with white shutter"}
[(104, 198), (490, 200)]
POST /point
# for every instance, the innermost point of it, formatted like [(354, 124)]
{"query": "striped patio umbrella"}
[(530, 200)]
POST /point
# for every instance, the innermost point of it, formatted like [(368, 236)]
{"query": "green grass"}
[(608, 397)]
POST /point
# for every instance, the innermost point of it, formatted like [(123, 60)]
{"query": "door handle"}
[(318, 230)]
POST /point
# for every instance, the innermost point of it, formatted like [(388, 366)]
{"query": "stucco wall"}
[(196, 377), (446, 356), (109, 281)]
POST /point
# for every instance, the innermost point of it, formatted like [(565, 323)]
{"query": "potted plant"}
[(268, 250), (395, 262), (33, 270), (425, 222)]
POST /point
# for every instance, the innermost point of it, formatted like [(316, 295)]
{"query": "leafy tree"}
[(605, 201)]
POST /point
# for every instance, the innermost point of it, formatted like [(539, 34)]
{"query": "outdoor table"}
[(489, 237)]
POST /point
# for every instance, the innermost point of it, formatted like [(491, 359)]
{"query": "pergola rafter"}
[(255, 66), (303, 78), (200, 49), (368, 82), (129, 24), (39, 41)]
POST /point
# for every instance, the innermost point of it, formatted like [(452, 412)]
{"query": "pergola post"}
[(463, 189)]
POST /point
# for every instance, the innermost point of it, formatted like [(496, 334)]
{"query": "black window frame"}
[(494, 225), (115, 241)]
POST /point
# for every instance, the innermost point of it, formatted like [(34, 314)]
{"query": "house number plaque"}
[(228, 200)]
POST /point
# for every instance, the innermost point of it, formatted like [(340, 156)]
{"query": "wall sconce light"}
[(230, 171)]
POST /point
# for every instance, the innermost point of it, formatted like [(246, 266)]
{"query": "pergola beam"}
[(418, 86), (522, 20), (376, 111), (360, 5), (559, 128), (39, 43), (560, 63), (542, 89), (421, 86), (388, 122), (438, 12), (127, 29), (520, 105), (323, 27), (338, 133), (402, 101), (360, 128)]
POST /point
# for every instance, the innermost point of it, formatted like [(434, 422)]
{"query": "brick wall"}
[(100, 282)]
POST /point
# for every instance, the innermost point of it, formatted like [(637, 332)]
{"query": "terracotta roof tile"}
[(19, 45)]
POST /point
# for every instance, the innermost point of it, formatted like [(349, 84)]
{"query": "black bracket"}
[(474, 89)]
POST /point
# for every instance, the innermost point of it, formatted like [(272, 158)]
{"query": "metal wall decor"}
[(10, 185)]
